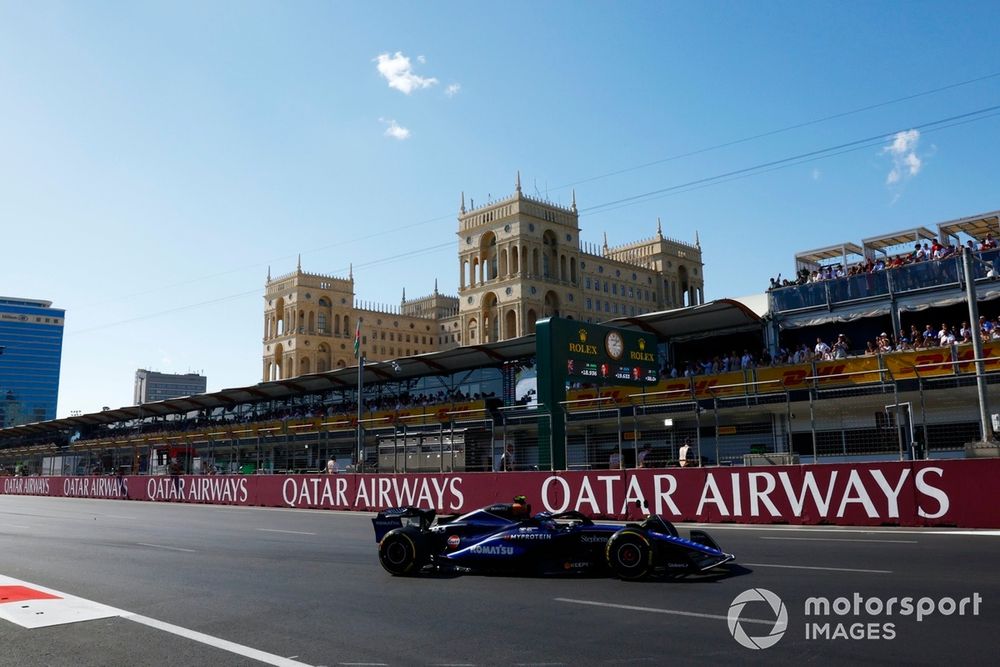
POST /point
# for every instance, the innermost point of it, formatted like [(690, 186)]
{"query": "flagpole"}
[(359, 454), (361, 379)]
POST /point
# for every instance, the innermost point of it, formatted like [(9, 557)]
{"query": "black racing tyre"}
[(629, 555), (400, 552)]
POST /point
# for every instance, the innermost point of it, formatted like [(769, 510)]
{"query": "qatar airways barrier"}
[(932, 493)]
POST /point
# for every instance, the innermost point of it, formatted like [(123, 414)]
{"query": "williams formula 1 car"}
[(506, 538)]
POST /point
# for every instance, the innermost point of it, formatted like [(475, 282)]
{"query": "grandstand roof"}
[(449, 361), (723, 315), (841, 252), (898, 238), (976, 226)]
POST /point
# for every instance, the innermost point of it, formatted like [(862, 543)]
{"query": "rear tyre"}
[(400, 554), (629, 555)]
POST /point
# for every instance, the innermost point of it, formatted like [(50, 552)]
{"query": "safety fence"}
[(909, 493)]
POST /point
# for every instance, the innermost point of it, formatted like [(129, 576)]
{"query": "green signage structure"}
[(573, 351)]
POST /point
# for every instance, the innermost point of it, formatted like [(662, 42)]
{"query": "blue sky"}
[(156, 158)]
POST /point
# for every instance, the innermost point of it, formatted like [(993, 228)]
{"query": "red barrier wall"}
[(927, 493)]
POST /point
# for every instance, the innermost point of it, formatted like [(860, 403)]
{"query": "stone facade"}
[(520, 260)]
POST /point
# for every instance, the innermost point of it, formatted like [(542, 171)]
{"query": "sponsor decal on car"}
[(492, 550), (528, 536), (453, 541), (594, 539)]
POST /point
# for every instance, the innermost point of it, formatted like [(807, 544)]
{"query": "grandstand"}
[(458, 409)]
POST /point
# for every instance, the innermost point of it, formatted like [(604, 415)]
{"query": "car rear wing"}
[(397, 517)]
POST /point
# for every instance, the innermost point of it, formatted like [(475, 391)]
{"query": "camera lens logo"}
[(736, 625)]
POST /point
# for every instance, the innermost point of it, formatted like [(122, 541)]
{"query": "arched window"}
[(491, 318), (510, 325)]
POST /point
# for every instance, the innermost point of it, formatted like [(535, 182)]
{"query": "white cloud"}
[(422, 60), (398, 71), (816, 174), (905, 161), (395, 130), (452, 89)]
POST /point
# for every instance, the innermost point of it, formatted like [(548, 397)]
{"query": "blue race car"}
[(506, 538)]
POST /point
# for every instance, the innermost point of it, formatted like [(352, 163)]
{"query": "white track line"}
[(209, 640), (163, 546), (813, 567), (290, 532), (67, 608), (840, 539), (657, 610)]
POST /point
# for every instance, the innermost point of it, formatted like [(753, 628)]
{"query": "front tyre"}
[(629, 555), (400, 554)]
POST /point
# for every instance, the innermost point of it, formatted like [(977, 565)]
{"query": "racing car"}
[(507, 538)]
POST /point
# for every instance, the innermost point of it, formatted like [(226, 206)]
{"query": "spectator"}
[(331, 467), (684, 454), (615, 460), (840, 347), (643, 458), (965, 333), (902, 342), (821, 349), (985, 325), (884, 344), (947, 338), (507, 459), (929, 336)]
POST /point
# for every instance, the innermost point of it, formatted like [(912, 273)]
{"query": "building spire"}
[(574, 200), (605, 240), (350, 271), (462, 207), (659, 228), (435, 286), (298, 265), (404, 295), (697, 241), (518, 188), (268, 273)]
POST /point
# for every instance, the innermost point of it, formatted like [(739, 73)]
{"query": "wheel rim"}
[(629, 556), (395, 553)]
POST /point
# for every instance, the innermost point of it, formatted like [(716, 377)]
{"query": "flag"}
[(357, 340)]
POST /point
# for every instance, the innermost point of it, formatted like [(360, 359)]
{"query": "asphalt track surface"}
[(305, 587)]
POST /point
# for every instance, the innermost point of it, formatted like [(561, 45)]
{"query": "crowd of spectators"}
[(921, 252), (841, 347), (308, 407)]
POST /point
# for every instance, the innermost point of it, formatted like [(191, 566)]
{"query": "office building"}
[(31, 334), (151, 386)]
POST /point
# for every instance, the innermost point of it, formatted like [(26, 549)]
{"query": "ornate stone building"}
[(520, 260)]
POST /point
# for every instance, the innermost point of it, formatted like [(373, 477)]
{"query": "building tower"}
[(521, 260), (310, 321)]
